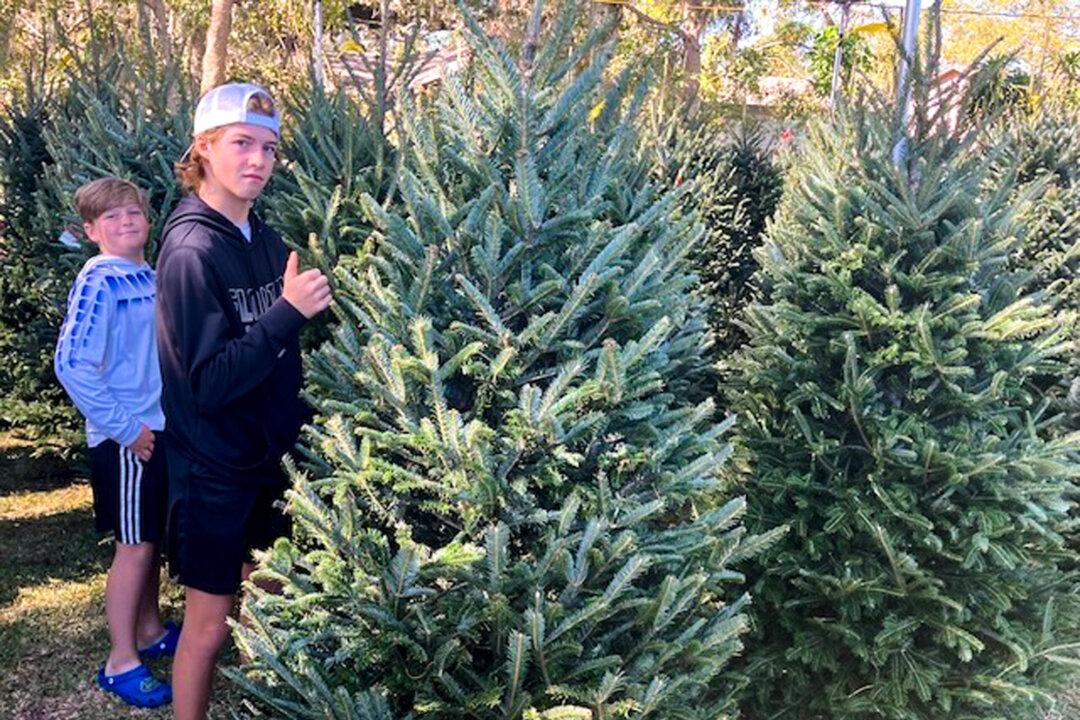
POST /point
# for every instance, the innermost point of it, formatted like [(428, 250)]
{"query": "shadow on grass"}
[(22, 470), (63, 546), (51, 645), (51, 640), (53, 633)]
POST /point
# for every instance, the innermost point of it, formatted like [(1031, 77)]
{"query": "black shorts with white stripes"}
[(130, 496)]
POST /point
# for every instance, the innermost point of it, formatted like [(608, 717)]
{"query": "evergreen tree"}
[(887, 403), (508, 507), (337, 149), (1043, 153), (110, 115), (736, 186), (998, 84), (331, 158), (28, 395), (121, 118)]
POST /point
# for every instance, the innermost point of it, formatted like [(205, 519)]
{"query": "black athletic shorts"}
[(215, 524), (130, 496)]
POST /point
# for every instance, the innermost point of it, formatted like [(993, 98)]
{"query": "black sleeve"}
[(220, 368)]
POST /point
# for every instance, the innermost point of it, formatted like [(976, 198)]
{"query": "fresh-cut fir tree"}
[(112, 113), (331, 157), (1043, 153), (736, 182), (511, 505), (888, 405)]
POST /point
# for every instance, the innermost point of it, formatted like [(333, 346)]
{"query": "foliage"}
[(510, 506), (855, 57), (1042, 152), (111, 116), (888, 406), (999, 86), (29, 395), (735, 184)]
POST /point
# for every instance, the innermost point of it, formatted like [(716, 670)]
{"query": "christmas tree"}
[(331, 158), (29, 396), (117, 113), (510, 507), (887, 402), (1044, 156), (338, 148), (736, 186)]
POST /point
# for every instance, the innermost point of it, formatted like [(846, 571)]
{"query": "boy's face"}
[(240, 160), (121, 231)]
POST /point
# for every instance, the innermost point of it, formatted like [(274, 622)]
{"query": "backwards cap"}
[(236, 103)]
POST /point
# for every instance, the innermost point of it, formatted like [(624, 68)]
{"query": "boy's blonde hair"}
[(96, 197), (190, 171)]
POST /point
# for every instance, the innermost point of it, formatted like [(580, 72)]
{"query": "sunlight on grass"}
[(53, 637), (30, 505), (68, 597)]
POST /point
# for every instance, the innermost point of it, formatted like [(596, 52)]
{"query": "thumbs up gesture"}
[(308, 291)]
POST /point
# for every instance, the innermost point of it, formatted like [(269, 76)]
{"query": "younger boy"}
[(231, 304), (106, 359)]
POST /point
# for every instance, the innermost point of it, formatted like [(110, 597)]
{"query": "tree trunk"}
[(215, 60), (6, 28), (144, 25), (161, 20), (195, 51), (692, 29), (838, 58), (737, 30)]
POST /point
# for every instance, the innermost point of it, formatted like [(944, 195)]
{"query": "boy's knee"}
[(206, 625), (204, 638), (139, 552)]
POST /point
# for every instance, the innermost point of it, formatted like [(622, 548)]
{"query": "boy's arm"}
[(80, 357), (220, 368)]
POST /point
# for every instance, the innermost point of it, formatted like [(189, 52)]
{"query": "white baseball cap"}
[(232, 103)]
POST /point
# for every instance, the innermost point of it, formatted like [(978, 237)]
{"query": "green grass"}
[(52, 584)]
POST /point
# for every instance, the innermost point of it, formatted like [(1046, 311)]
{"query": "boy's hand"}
[(308, 291), (143, 447)]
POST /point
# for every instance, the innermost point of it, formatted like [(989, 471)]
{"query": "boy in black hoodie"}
[(230, 306)]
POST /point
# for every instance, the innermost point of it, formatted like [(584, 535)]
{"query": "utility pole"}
[(838, 56), (912, 10), (316, 47)]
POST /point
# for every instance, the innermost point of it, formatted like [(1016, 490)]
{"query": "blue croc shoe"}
[(164, 647), (136, 687)]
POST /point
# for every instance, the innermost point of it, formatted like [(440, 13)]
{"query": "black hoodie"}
[(228, 342)]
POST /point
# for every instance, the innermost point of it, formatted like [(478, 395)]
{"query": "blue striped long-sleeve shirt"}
[(106, 357)]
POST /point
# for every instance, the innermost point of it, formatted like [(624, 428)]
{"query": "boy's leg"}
[(154, 503), (120, 491), (208, 518), (123, 593), (204, 633), (149, 628)]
